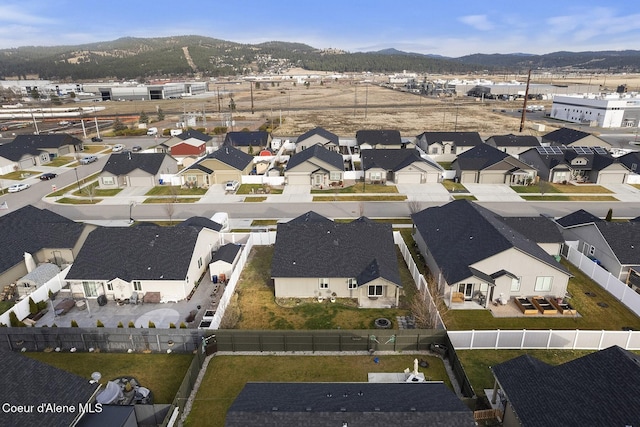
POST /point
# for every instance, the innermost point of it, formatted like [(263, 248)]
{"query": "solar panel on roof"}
[(549, 150), (600, 150), (583, 150)]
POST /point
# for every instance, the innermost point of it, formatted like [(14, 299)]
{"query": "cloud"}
[(479, 22), (17, 15)]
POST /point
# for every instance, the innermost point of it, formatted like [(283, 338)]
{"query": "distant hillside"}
[(188, 56)]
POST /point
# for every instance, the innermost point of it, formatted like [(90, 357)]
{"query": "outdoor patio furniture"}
[(134, 298), (64, 306), (151, 297)]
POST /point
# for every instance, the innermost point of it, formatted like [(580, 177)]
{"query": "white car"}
[(117, 148), (231, 186), (17, 187)]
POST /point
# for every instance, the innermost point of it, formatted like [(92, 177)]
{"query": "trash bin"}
[(102, 300), (214, 278)]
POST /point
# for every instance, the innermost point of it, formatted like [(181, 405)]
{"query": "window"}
[(107, 180), (515, 284), (592, 250), (109, 286), (199, 262), (375, 290), (375, 176), (191, 178), (335, 176), (90, 289), (353, 284), (137, 286), (543, 283), (324, 283)]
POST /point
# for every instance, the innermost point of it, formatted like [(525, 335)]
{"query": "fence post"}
[(495, 347), (524, 334), (601, 338), (473, 334), (549, 338), (575, 339), (626, 346)]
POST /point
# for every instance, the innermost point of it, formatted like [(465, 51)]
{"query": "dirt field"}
[(344, 107)]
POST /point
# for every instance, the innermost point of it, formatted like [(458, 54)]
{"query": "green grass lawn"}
[(593, 317), (359, 187), (61, 161), (160, 373), (560, 198), (257, 189), (348, 198), (72, 201), (452, 186), (465, 197), (254, 199), (175, 190), (93, 149), (256, 306), (86, 190), (549, 187), (169, 199), (19, 175), (227, 375)]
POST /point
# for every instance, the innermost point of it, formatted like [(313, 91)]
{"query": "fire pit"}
[(382, 323)]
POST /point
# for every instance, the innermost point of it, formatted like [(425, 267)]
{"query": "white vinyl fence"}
[(602, 277)]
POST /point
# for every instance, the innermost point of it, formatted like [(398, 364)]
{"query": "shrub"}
[(120, 325), (33, 307), (182, 325), (13, 320), (74, 324), (172, 325), (151, 324), (51, 295), (219, 130), (42, 305), (609, 216), (53, 325), (131, 324), (99, 324)]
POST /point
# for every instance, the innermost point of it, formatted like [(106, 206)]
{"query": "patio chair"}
[(134, 298)]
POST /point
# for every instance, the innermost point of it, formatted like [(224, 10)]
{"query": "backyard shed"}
[(224, 260), (36, 278)]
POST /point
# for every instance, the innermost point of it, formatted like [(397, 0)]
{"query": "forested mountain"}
[(187, 56)]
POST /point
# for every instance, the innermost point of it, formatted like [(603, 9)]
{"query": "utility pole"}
[(251, 85), (524, 106)]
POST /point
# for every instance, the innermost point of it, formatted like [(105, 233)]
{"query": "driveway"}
[(293, 193), (493, 192), (424, 192)]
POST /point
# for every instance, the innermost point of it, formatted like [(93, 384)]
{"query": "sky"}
[(450, 28)]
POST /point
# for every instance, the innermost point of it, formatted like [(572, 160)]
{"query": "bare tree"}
[(415, 206), (544, 186), (90, 191), (170, 209)]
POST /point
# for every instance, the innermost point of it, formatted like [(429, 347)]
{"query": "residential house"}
[(315, 257), (400, 166), (316, 166), (612, 245), (445, 146), (475, 255), (31, 236), (367, 139), (136, 170), (28, 383), (26, 151), (512, 144), (190, 143), (632, 162), (539, 229), (319, 135), (579, 164), (567, 137), (425, 404), (225, 164), (118, 261), (599, 389), (485, 164), (250, 142)]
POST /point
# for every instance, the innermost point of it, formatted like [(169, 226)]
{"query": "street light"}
[(77, 179)]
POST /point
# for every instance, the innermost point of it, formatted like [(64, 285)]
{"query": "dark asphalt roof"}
[(330, 136), (226, 253), (332, 158), (199, 222), (26, 381), (462, 233), (192, 133), (231, 156), (540, 229), (135, 253), (123, 163), (356, 404), (564, 136), (378, 137), (578, 217), (392, 159), (30, 229), (480, 157), (623, 238), (512, 140), (361, 249), (599, 389), (460, 139)]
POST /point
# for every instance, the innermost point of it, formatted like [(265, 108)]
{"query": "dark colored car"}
[(47, 176), (136, 148), (96, 139)]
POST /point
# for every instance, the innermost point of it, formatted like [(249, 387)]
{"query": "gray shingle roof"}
[(231, 156), (462, 233), (512, 140), (226, 253), (356, 404), (55, 140), (135, 253), (378, 137), (600, 389), (26, 381), (480, 157), (247, 139), (392, 159), (564, 136), (318, 151), (30, 229), (192, 133), (623, 238), (359, 249), (123, 163), (540, 229), (460, 139), (331, 137), (199, 222), (578, 217)]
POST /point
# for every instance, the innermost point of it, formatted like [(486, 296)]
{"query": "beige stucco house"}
[(316, 166), (225, 164), (136, 170)]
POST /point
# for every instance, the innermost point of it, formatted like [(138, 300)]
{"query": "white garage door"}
[(298, 179), (26, 163), (408, 178), (220, 177), (141, 181), (611, 178)]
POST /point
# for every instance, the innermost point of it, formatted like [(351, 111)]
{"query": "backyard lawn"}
[(256, 306), (160, 373), (227, 375), (592, 316)]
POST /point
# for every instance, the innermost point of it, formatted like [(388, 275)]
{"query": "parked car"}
[(88, 159), (17, 187), (96, 139), (47, 176), (117, 148), (136, 148), (231, 186)]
